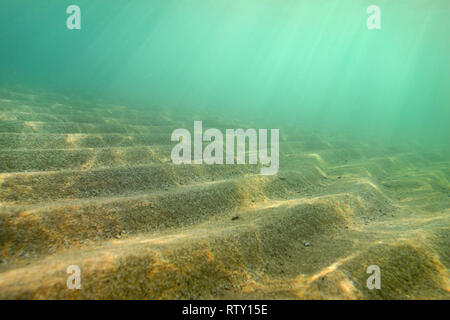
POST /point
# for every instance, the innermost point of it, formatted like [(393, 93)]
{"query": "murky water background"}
[(312, 61)]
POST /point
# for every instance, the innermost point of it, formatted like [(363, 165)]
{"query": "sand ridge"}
[(93, 186)]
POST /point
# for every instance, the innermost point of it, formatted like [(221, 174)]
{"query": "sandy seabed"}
[(94, 186)]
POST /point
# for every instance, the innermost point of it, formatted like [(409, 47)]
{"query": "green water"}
[(313, 64), (360, 176)]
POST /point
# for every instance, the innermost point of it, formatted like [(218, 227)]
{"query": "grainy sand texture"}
[(94, 186)]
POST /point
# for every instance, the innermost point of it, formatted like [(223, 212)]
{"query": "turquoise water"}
[(311, 62), (88, 130)]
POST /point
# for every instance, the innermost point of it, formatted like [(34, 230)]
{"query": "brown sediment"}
[(95, 187)]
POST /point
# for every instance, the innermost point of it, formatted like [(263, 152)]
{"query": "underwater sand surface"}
[(94, 186)]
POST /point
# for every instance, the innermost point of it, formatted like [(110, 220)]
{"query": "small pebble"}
[(306, 244), (235, 218)]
